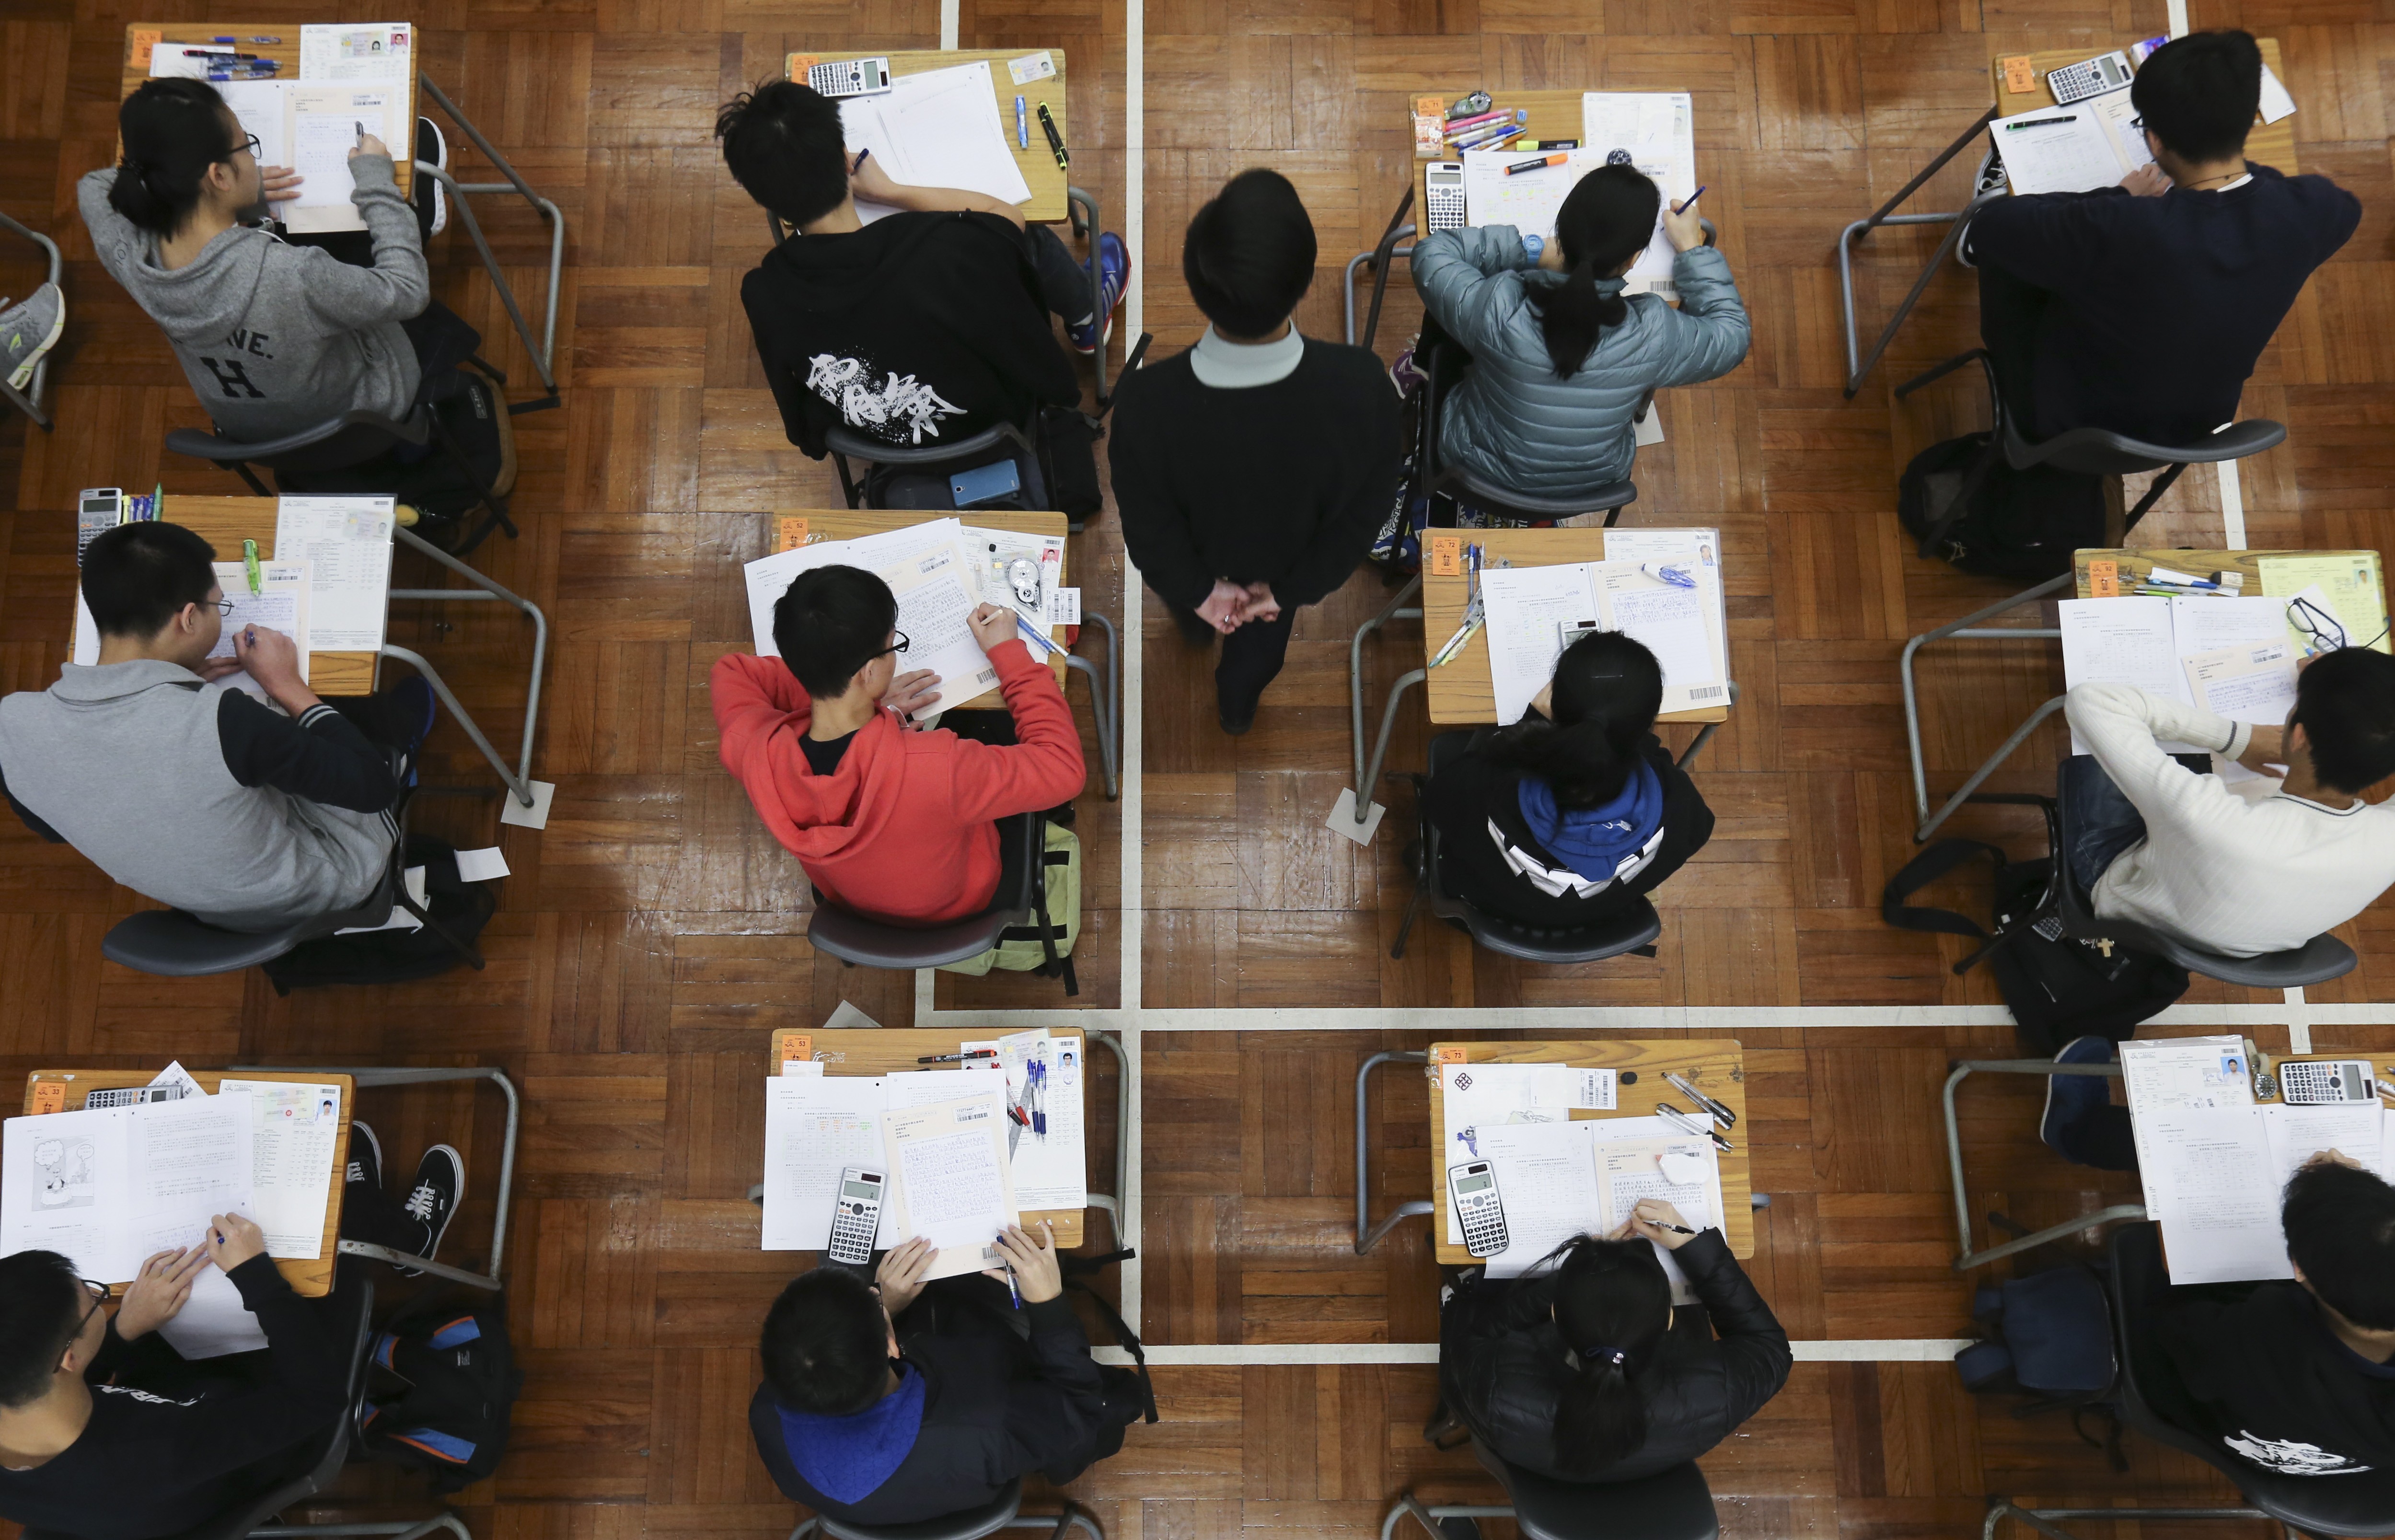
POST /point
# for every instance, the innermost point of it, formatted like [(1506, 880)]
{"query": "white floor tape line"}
[(1244, 1355)]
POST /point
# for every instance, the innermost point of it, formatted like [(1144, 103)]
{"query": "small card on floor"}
[(1342, 818), (535, 817), (481, 866)]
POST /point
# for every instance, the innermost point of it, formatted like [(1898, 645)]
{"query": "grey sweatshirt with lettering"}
[(277, 337)]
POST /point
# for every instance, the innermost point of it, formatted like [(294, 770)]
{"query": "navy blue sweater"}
[(2160, 306)]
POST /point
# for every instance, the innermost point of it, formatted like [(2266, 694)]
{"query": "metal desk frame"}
[(1396, 609), (541, 351), (29, 401), (1367, 1234), (1968, 1259), (519, 780), (2042, 1520), (1969, 629), (1887, 215), (1105, 704)]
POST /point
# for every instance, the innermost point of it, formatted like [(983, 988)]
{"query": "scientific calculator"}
[(2089, 77), (856, 1215), (1443, 186), (1478, 1211), (2303, 1082), (851, 77)]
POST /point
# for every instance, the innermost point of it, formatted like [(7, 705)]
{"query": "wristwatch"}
[(1532, 246)]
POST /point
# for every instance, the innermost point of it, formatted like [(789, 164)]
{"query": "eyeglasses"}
[(98, 1293), (2137, 122), (899, 646), (249, 142), (224, 606), (2321, 630)]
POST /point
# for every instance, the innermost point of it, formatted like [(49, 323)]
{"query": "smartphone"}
[(982, 483), (2310, 1083), (1479, 1212), (97, 508), (856, 1215)]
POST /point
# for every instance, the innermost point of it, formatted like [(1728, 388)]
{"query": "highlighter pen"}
[(1543, 161), (249, 560), (2043, 122), (1055, 139), (1021, 125)]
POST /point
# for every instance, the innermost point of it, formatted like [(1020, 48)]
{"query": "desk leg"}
[(29, 401), (1395, 609), (1381, 744), (1118, 1204), (1964, 1070), (1968, 629), (1367, 1234), (1887, 215), (542, 350), (1106, 704), (520, 781), (1097, 284)]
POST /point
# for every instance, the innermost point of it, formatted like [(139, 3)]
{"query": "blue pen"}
[(1676, 574), (1022, 127), (1033, 631), (1693, 198)]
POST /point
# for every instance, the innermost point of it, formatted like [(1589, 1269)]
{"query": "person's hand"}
[(2265, 747), (867, 180), (912, 695), (1261, 604), (213, 669), (1037, 1276), (272, 660), (2335, 1157), (281, 182), (233, 1241), (1683, 228), (158, 1290), (369, 145), (1225, 607), (1647, 1221), (2146, 181), (900, 1277), (992, 624)]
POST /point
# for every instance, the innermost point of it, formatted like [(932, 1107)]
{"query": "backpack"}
[(2056, 986), (475, 417), (395, 956), (1029, 948), (2049, 1336), (440, 1386), (1970, 508)]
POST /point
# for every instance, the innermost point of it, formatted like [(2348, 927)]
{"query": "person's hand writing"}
[(282, 183), (867, 180), (1034, 1261), (1225, 607), (2265, 747), (1647, 1222), (1683, 228), (1260, 604), (912, 695), (158, 1290), (272, 660), (992, 624), (900, 1277), (369, 145), (2146, 181), (233, 1241), (214, 669)]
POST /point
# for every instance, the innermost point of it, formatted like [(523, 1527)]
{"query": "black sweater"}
[(1284, 483), (148, 1465), (2160, 306), (917, 330), (1501, 1367), (2269, 1381), (1463, 798)]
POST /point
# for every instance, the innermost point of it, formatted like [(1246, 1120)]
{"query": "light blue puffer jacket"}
[(1511, 421)]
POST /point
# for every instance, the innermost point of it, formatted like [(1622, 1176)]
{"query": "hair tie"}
[(1602, 1354)]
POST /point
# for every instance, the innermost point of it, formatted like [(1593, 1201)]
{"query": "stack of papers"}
[(345, 543), (939, 128), (2091, 144), (1532, 610), (2233, 657), (1656, 132)]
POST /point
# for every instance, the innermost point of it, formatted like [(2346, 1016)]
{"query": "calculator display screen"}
[(100, 505), (1472, 1184), (860, 1189)]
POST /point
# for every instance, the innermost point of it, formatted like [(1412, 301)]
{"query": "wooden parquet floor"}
[(652, 935)]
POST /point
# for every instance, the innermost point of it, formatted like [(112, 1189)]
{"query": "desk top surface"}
[(1040, 172), (2271, 144), (224, 523), (286, 49)]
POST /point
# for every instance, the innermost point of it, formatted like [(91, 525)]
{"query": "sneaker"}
[(1113, 281), (29, 331), (433, 1203), (2070, 1100), (433, 149), (1406, 374), (1235, 723), (365, 1158)]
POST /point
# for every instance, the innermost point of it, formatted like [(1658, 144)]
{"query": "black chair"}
[(2317, 960), (1454, 481), (2096, 451), (918, 478), (1021, 900), (1000, 1513), (1671, 1504)]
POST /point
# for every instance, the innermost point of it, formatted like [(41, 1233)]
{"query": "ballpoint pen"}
[(954, 1058), (1722, 1115), (1687, 1124), (1033, 631), (1014, 1293)]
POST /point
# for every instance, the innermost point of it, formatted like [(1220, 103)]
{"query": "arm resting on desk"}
[(2126, 727), (2045, 239), (1708, 334), (303, 1391), (321, 757)]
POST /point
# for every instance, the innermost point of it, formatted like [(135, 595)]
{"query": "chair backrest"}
[(978, 448), (972, 1524), (336, 443), (1670, 1505), (2101, 452), (875, 944)]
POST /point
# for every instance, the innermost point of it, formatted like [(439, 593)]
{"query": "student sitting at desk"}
[(204, 799), (1584, 1373), (880, 1407), (108, 1434), (1575, 811), (2299, 1377), (1252, 471), (2142, 308), (1560, 360), (889, 821), (273, 336), (923, 328)]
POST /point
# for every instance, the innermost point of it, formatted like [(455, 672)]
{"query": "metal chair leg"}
[(1964, 1070), (1367, 1234)]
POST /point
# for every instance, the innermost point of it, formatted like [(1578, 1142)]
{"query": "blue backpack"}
[(2049, 1336)]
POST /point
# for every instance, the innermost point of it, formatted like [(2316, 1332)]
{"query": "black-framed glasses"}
[(98, 1293), (898, 646), (224, 606), (249, 143), (2320, 630)]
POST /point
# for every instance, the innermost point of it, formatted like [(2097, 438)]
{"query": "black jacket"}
[(1462, 799), (1284, 483), (2272, 1385), (2160, 306), (918, 329), (1502, 1367), (995, 1407)]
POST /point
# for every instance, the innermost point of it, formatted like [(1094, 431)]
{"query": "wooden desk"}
[(1462, 691), (1553, 114), (2271, 144), (893, 1050), (1040, 172), (177, 34), (1715, 1065), (2135, 561), (306, 1276), (847, 523)]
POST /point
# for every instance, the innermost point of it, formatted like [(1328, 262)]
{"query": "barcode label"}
[(1707, 692)]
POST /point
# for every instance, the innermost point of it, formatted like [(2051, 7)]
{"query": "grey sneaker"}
[(432, 148), (29, 331)]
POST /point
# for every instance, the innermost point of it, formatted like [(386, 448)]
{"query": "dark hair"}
[(2340, 1226), (831, 622), (2199, 93), (1608, 689), (1249, 255), (1613, 1305), (138, 577), (42, 1308), (174, 129), (2345, 702), (784, 144), (1608, 219), (827, 1344)]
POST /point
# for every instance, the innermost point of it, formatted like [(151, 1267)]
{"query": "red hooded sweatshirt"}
[(904, 829)]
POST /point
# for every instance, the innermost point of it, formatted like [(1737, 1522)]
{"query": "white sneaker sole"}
[(24, 373)]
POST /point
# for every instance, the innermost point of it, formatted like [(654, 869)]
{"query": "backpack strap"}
[(1926, 869), (1076, 1270), (1934, 534)]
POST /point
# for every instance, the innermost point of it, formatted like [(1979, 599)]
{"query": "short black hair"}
[(42, 1308), (1249, 255), (2340, 1226), (831, 622), (826, 1343), (784, 144), (138, 577), (2345, 702), (2199, 93)]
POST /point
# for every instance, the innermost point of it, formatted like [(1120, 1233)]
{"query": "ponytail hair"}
[(1608, 688), (1613, 1307), (174, 130), (1603, 226)]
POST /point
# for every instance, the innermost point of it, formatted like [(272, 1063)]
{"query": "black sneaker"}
[(433, 1203), (366, 1157), (433, 149), (1235, 723)]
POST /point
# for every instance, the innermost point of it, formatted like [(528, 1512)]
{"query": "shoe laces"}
[(422, 1202)]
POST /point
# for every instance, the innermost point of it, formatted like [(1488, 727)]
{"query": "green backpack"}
[(1031, 949)]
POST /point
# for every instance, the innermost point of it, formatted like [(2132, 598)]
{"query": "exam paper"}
[(2074, 149), (1654, 131), (1546, 1179), (280, 604), (993, 553), (324, 123), (2123, 641), (260, 106), (1672, 621), (1630, 1170), (2181, 1074), (1528, 202), (212, 1322), (2245, 682), (356, 50), (346, 543), (1045, 1144), (1526, 609), (815, 1125), (2276, 102), (110, 1187), (2296, 1132), (937, 592), (939, 128), (950, 1180), (2210, 1180), (297, 1133), (2351, 581)]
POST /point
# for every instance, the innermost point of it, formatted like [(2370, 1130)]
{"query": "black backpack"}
[(442, 1384), (1968, 508), (2058, 988), (395, 956), (2049, 1336)]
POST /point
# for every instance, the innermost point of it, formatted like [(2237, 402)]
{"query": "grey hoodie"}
[(276, 337)]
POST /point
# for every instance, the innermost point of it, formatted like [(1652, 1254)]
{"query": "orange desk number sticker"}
[(1447, 555), (50, 1095), (795, 66), (2020, 76), (2104, 579), (798, 1048), (790, 534), (144, 39), (1453, 1053)]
